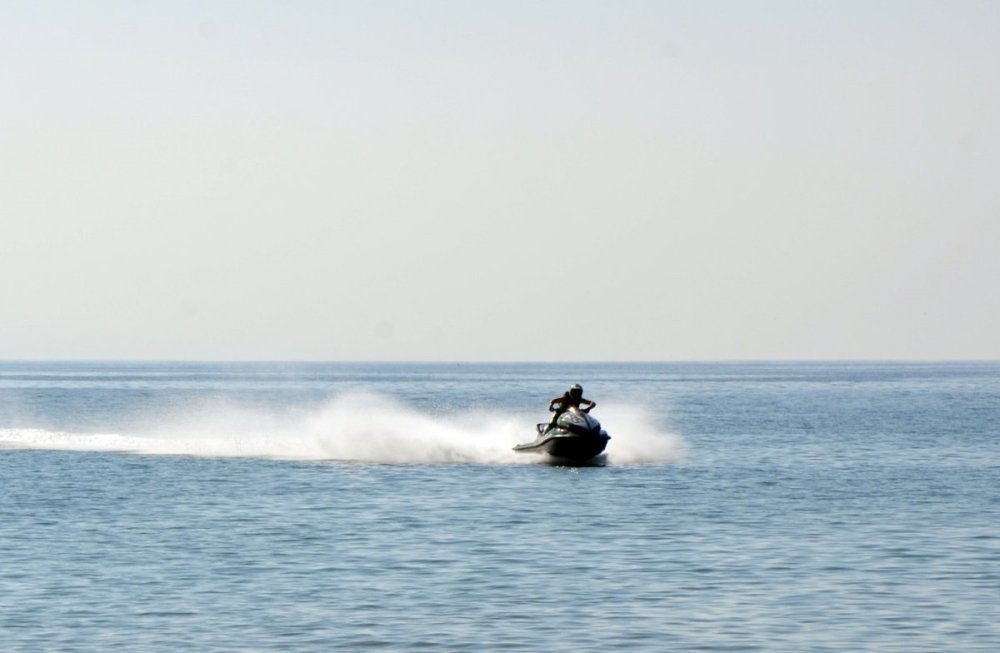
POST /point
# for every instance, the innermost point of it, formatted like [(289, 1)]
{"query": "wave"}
[(360, 427)]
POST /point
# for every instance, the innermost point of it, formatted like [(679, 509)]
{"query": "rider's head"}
[(576, 391)]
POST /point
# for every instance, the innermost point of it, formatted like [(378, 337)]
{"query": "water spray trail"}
[(352, 427)]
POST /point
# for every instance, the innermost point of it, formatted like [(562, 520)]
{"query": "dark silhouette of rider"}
[(572, 398)]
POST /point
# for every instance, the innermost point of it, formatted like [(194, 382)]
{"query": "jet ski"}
[(576, 439)]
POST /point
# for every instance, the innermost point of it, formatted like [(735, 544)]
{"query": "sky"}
[(499, 181)]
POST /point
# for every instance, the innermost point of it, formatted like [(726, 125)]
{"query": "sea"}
[(761, 506)]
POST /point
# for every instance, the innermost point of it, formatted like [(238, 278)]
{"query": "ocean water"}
[(323, 507)]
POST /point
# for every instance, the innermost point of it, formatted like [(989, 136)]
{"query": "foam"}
[(354, 427)]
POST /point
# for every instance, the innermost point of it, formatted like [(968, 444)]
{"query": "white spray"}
[(356, 427)]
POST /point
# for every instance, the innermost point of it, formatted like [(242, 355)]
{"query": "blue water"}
[(318, 507)]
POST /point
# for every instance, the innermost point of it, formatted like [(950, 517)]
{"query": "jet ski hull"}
[(577, 438), (569, 447)]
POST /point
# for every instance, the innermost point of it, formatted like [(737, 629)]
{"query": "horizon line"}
[(304, 361)]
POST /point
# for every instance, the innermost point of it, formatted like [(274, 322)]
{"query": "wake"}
[(357, 427)]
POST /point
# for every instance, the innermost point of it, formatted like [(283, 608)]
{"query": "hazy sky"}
[(499, 180)]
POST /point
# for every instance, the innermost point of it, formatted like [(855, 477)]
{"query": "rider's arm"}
[(593, 404)]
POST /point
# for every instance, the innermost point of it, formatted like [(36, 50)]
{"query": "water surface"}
[(316, 507)]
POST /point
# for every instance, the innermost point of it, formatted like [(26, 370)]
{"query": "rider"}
[(572, 398)]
